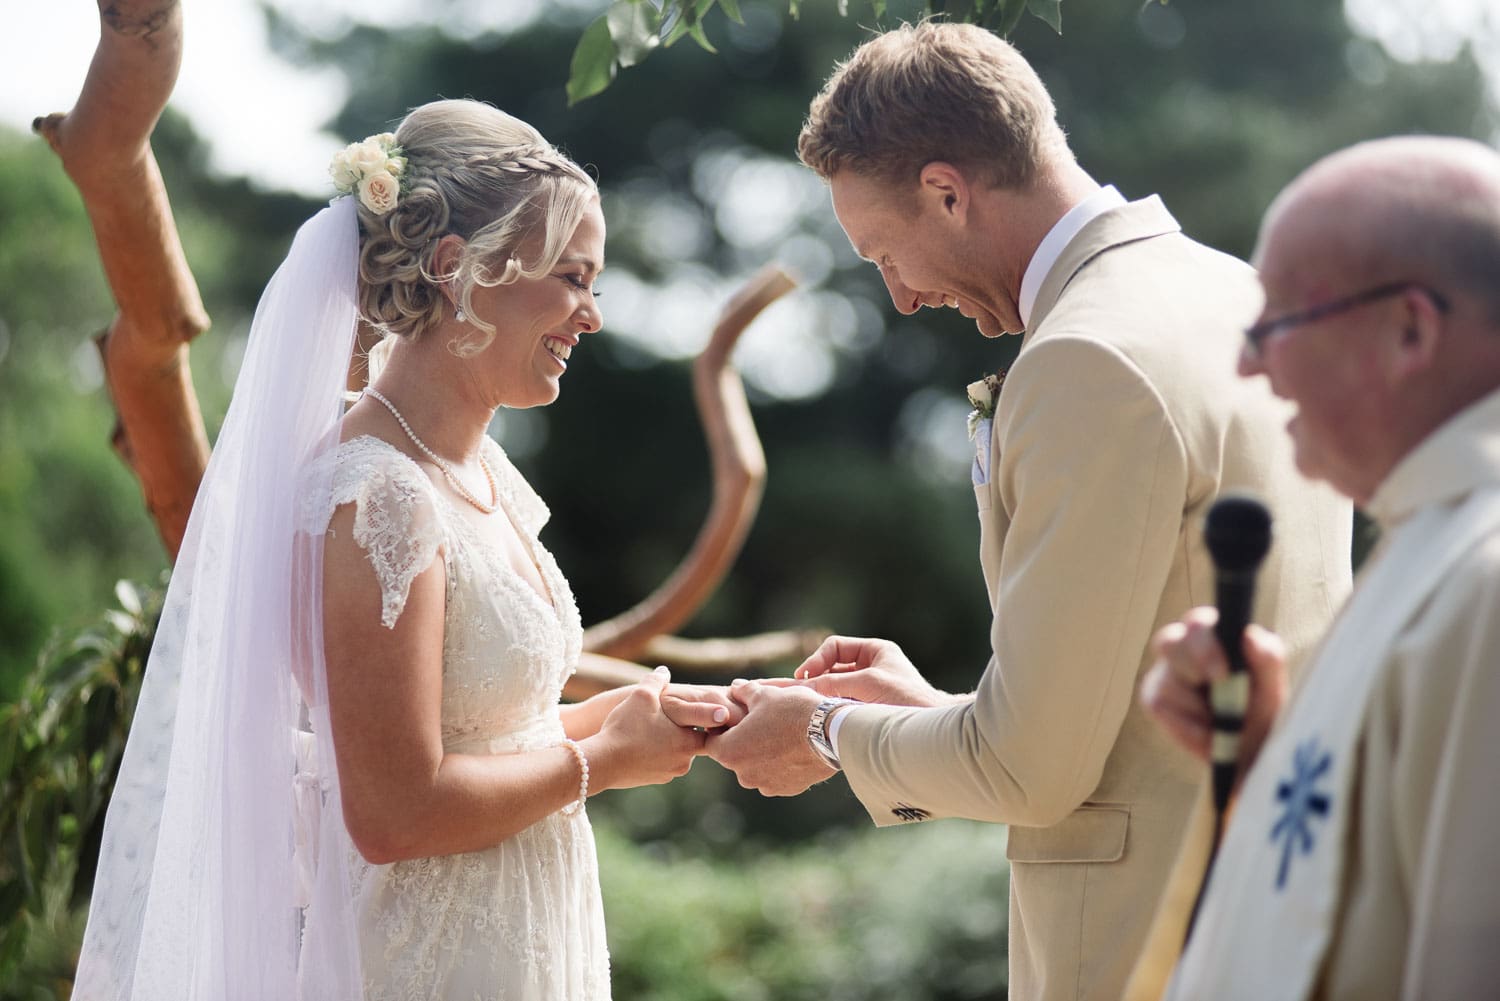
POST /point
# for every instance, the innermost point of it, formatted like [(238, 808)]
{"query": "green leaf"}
[(698, 36), (100, 716), (1049, 11), (593, 61), (732, 10), (701, 7), (10, 736), (679, 28), (794, 8), (13, 943), (633, 26), (878, 6), (1009, 13)]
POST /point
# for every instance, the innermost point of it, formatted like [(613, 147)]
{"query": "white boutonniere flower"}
[(372, 170), (983, 396)]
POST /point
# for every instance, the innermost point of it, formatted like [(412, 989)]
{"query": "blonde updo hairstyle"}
[(475, 172)]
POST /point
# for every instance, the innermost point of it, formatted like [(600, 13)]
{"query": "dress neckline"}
[(547, 596)]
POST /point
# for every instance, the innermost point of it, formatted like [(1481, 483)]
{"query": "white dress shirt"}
[(1056, 241)]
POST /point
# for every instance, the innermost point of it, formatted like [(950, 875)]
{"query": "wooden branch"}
[(598, 673), (104, 145), (739, 471), (744, 656)]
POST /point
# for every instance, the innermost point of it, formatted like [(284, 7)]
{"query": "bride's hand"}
[(638, 743), (707, 707)]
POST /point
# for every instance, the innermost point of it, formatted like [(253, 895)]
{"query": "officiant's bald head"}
[(1381, 270)]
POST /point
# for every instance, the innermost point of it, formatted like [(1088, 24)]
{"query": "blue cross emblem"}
[(1301, 804)]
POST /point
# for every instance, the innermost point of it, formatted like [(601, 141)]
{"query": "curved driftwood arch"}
[(104, 144)]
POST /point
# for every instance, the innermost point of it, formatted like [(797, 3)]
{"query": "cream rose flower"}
[(378, 192), (386, 139), (367, 157), (396, 166), (342, 171)]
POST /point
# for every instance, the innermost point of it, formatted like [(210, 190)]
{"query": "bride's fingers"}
[(657, 681)]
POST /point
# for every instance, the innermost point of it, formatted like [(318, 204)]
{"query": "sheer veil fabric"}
[(209, 844)]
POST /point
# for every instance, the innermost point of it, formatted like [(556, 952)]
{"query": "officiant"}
[(1359, 860), (1119, 424)]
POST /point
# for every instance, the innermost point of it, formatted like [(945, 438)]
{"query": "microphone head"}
[(1237, 532)]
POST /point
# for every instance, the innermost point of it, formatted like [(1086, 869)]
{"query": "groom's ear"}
[(445, 261), (943, 187)]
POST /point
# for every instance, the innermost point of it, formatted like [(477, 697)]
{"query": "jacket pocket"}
[(1089, 834)]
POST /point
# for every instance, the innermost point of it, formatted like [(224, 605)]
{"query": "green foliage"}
[(60, 748), (906, 913), (627, 32)]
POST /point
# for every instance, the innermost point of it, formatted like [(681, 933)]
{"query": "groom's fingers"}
[(694, 713), (785, 682), (849, 651)]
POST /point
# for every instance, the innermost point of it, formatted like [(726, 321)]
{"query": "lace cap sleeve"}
[(527, 506), (396, 520)]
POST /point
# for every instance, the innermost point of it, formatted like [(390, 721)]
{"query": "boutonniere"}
[(983, 396)]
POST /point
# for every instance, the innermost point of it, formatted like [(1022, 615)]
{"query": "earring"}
[(458, 314)]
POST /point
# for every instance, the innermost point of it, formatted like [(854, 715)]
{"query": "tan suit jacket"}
[(1119, 424)]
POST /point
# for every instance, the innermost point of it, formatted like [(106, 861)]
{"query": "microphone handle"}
[(1230, 697), (1235, 594)]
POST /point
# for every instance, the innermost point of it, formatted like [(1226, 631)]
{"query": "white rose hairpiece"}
[(983, 395), (371, 169)]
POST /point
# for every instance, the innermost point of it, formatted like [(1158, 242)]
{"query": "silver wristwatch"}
[(817, 729)]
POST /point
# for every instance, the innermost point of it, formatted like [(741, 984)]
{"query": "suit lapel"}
[(1139, 220)]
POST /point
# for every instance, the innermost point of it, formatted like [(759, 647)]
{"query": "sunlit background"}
[(867, 525)]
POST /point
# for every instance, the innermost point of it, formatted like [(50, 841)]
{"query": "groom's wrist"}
[(822, 729)]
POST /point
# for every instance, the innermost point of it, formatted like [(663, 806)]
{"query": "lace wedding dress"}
[(521, 921)]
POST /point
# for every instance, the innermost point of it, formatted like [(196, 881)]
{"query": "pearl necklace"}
[(443, 464)]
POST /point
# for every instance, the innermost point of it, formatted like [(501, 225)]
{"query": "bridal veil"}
[(209, 849)]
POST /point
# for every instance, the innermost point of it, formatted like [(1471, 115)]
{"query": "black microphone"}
[(1237, 532)]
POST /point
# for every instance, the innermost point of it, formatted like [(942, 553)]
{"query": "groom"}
[(1119, 424)]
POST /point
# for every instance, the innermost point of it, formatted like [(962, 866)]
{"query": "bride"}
[(349, 775)]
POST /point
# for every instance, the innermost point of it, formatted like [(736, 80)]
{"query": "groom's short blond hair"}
[(933, 91)]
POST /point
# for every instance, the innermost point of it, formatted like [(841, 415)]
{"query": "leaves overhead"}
[(626, 33)]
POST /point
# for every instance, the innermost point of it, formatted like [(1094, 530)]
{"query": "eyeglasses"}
[(1257, 334)]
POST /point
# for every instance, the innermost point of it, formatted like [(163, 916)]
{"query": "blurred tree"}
[(626, 33)]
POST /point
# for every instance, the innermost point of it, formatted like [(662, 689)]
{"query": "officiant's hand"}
[(703, 707), (768, 749), (1175, 690), (870, 670)]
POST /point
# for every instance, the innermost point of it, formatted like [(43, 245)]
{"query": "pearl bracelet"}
[(583, 777)]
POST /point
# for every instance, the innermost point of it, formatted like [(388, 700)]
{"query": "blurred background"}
[(867, 526)]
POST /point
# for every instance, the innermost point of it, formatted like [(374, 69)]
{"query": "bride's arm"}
[(583, 719), (402, 795)]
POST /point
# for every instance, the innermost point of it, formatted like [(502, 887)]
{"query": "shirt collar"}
[(1455, 459), (1057, 240)]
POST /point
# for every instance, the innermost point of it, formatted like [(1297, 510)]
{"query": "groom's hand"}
[(870, 670), (768, 749)]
